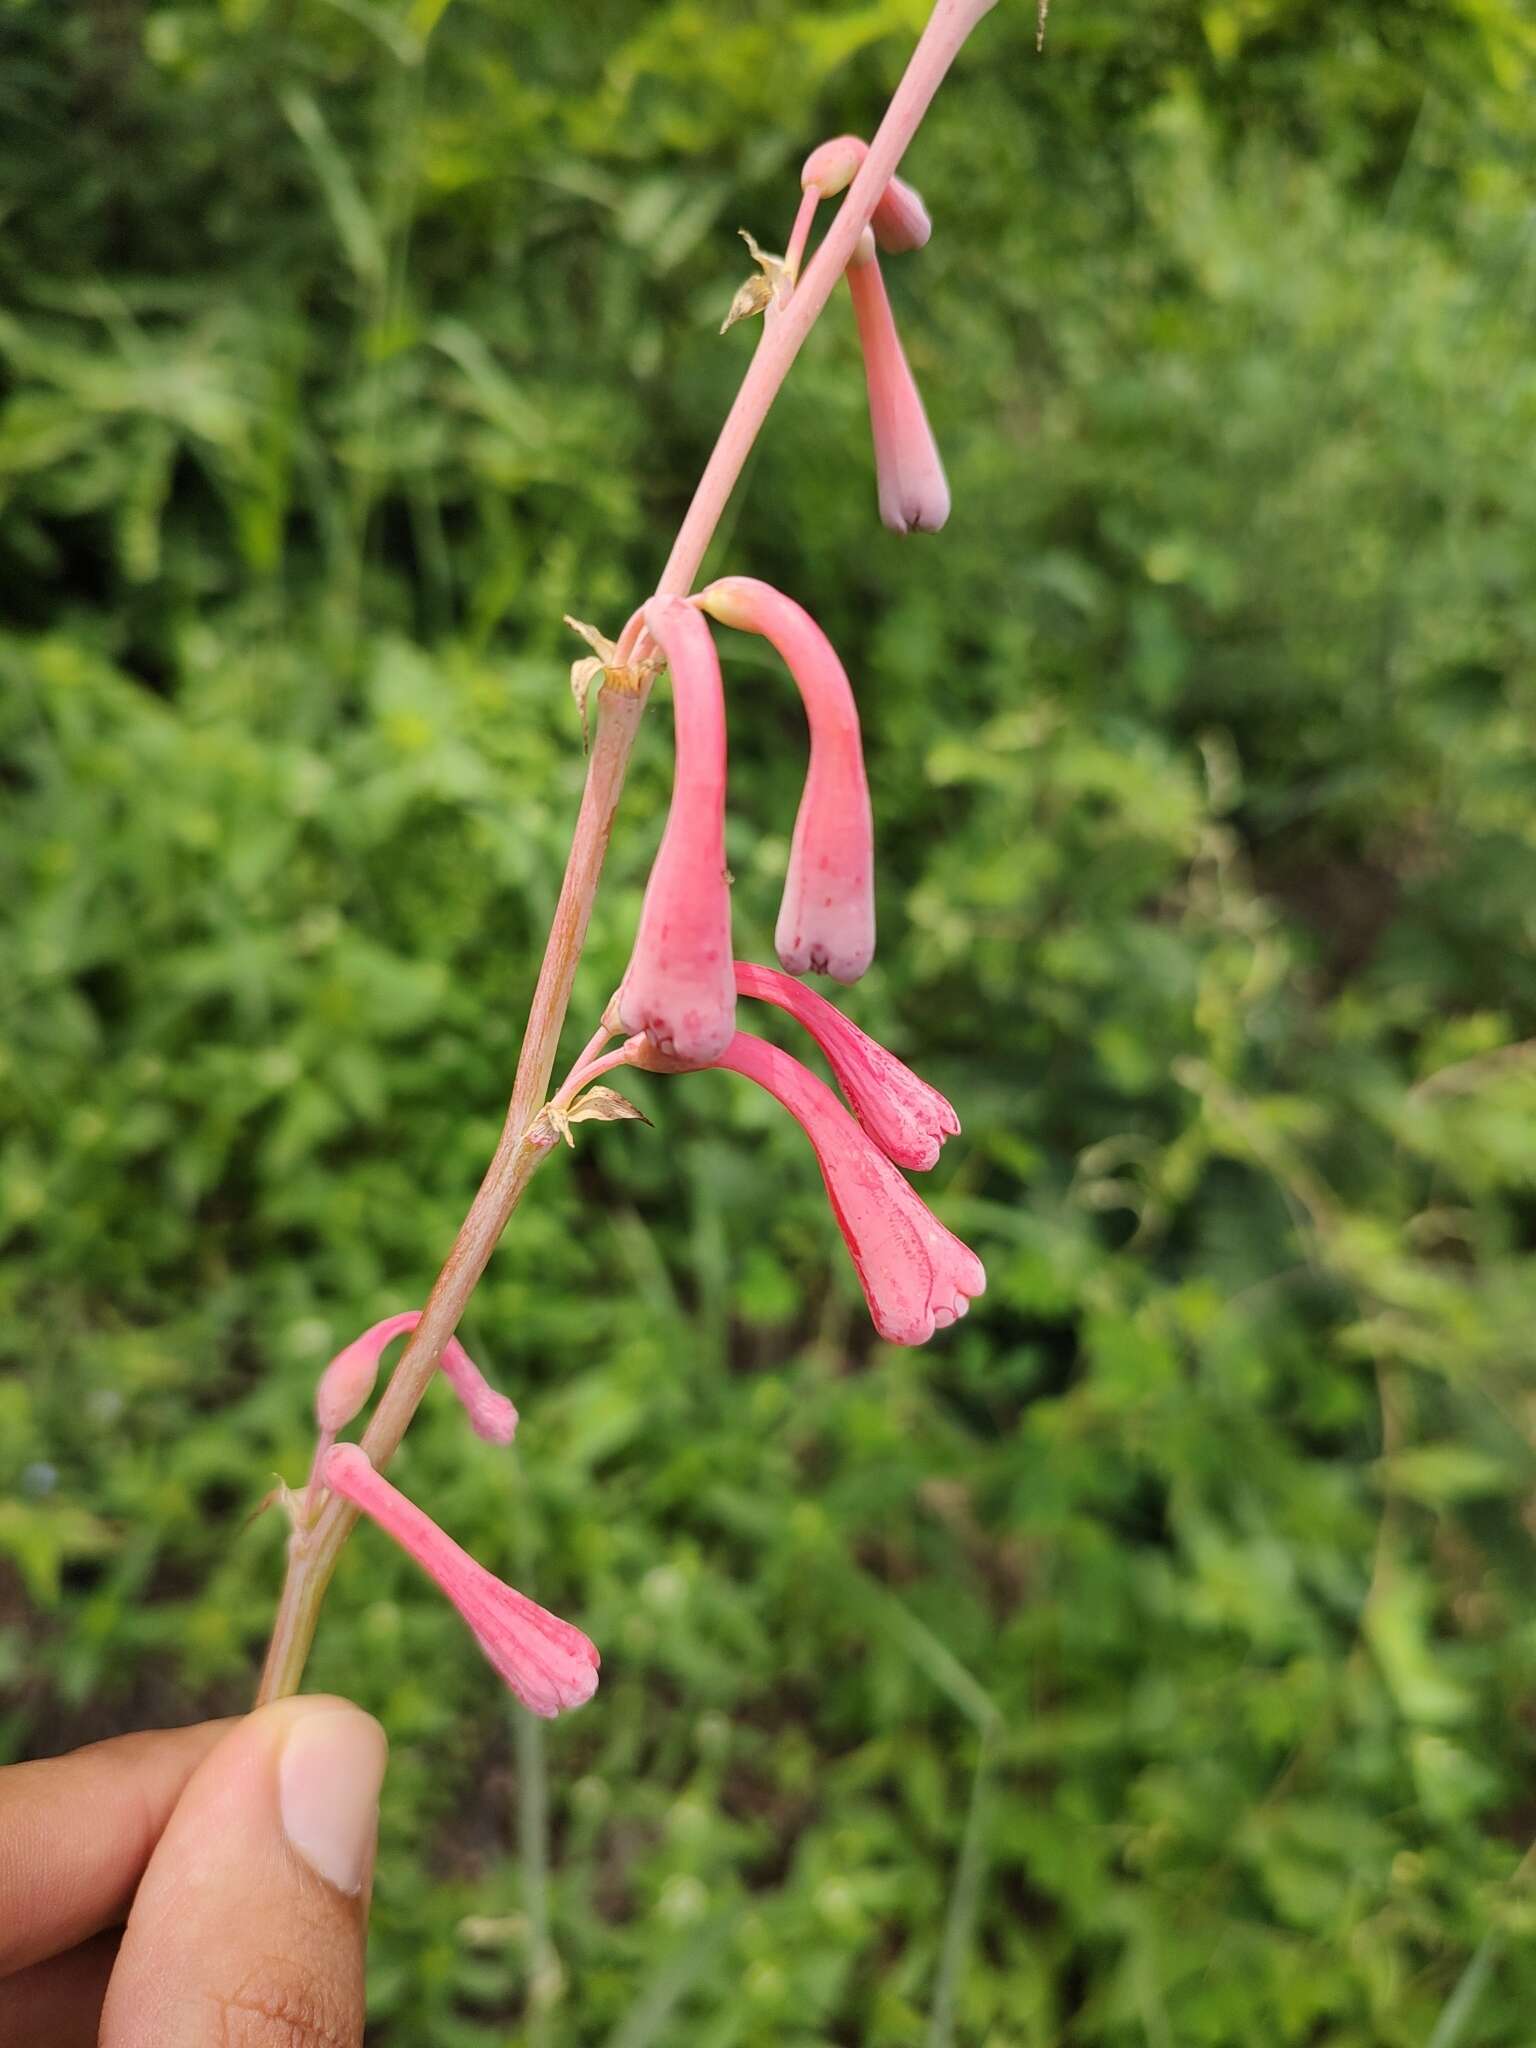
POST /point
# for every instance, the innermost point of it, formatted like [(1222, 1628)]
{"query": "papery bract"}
[(908, 1119), (346, 1383), (679, 988), (827, 916), (916, 1275), (909, 475), (547, 1663)]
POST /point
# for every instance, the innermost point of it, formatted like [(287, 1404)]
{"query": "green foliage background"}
[(1150, 1660)]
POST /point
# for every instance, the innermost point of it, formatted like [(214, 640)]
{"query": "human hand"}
[(193, 1888)]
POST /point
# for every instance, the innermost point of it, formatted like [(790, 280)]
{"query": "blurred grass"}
[(1151, 1659)]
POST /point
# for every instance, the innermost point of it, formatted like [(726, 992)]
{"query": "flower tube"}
[(907, 1119), (549, 1665), (909, 475), (679, 988), (827, 915), (916, 1275)]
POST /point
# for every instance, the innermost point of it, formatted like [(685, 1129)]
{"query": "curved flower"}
[(827, 916), (900, 219), (348, 1380), (547, 1663), (916, 1275), (678, 988), (909, 476), (907, 1119)]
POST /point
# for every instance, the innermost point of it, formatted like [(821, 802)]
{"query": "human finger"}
[(57, 2003), (249, 1923), (76, 1832)]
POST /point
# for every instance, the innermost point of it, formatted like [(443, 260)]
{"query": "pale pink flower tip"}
[(917, 1276), (909, 475), (343, 1388), (547, 1663), (679, 988), (907, 1118), (491, 1415), (347, 1382), (900, 219), (827, 915)]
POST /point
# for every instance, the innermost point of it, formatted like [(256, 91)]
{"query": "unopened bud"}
[(346, 1383), (832, 166), (900, 219)]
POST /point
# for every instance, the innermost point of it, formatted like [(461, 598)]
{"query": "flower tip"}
[(729, 599), (916, 1323), (901, 221), (691, 1038), (907, 1118), (343, 1388), (491, 1415), (845, 958), (832, 166), (916, 503), (344, 1463)]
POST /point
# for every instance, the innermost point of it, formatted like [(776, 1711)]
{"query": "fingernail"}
[(328, 1791)]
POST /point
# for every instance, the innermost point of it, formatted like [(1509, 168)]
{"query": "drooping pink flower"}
[(547, 1663), (909, 475), (900, 219), (907, 1118), (348, 1380), (827, 915), (678, 988), (916, 1275)]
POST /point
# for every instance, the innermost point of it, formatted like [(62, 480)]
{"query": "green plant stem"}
[(315, 1545)]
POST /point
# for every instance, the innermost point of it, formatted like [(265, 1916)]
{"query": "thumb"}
[(249, 1924)]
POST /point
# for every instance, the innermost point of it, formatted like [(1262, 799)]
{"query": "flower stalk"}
[(316, 1542)]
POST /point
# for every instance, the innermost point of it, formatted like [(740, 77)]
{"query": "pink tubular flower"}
[(348, 1380), (907, 1119), (900, 219), (909, 476), (916, 1275), (827, 916), (678, 988), (547, 1663)]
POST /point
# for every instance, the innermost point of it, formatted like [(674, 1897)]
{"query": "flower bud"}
[(347, 1382), (900, 219)]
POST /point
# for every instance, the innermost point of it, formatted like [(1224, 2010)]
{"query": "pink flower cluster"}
[(545, 1662), (679, 992)]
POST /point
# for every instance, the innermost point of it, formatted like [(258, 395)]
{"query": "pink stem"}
[(800, 232), (948, 26), (517, 1157), (586, 1071)]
